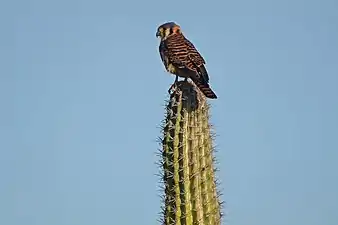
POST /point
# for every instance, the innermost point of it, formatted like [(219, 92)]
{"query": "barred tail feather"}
[(204, 87)]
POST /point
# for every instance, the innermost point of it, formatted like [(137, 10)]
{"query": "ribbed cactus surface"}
[(190, 197)]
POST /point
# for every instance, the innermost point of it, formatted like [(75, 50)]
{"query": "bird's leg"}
[(173, 85)]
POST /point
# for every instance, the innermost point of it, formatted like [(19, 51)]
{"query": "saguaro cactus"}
[(187, 161)]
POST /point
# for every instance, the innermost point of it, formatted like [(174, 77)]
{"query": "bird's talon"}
[(172, 87)]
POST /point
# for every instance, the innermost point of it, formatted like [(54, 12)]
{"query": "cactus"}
[(188, 175)]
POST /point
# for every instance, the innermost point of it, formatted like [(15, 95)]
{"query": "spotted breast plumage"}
[(181, 58)]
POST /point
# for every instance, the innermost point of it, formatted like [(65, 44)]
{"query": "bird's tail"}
[(204, 87)]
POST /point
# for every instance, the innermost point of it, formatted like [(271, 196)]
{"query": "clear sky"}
[(82, 90)]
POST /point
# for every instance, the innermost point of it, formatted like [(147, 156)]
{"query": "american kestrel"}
[(181, 58)]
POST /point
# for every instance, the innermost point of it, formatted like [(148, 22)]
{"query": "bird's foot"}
[(172, 87)]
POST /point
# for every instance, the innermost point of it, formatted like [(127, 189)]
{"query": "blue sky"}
[(82, 90)]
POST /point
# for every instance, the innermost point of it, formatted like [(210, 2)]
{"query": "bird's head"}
[(167, 29)]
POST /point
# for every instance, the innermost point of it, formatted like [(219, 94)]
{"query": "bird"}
[(181, 58)]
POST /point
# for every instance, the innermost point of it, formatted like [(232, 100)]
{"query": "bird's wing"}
[(174, 52), (197, 59), (183, 54), (194, 54)]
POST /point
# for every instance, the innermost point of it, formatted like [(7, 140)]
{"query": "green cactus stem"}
[(190, 190)]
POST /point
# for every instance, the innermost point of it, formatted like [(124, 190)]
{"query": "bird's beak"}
[(158, 33)]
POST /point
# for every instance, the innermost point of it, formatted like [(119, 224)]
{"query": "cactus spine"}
[(190, 194)]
